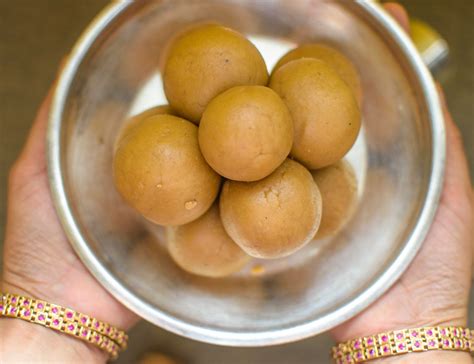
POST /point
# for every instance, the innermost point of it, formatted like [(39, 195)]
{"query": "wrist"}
[(100, 306), (449, 343), (427, 358), (43, 344), (388, 315), (357, 328)]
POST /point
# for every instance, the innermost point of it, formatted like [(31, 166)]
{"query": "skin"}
[(205, 61), (204, 248), (323, 108), (338, 187), (433, 291), (53, 272), (343, 66), (273, 217), (246, 133), (416, 300), (159, 170)]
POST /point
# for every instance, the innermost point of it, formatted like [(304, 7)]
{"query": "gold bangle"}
[(98, 333), (403, 342)]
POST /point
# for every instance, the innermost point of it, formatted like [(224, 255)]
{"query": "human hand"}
[(38, 259), (435, 289)]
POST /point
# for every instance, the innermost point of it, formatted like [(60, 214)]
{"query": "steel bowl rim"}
[(263, 338)]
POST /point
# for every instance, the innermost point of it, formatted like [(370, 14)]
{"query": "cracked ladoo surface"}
[(204, 248), (206, 61), (273, 217), (338, 61), (323, 108), (135, 120), (246, 133), (338, 187), (160, 171)]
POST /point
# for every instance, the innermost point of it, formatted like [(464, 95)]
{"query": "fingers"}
[(457, 170), (457, 184), (400, 15)]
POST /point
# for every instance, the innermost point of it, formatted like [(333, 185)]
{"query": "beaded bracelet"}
[(402, 342), (98, 333)]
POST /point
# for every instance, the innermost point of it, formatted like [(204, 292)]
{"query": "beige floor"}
[(34, 36)]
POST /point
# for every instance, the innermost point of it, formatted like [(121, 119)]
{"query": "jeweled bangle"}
[(402, 342), (65, 320)]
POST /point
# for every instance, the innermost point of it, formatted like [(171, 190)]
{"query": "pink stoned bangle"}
[(100, 334), (403, 342)]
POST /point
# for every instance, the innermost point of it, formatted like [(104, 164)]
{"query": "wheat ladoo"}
[(135, 120), (160, 171), (157, 358), (338, 187), (205, 61), (246, 133), (338, 61), (203, 247), (273, 217), (324, 110)]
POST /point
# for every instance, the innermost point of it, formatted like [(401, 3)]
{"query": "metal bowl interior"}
[(114, 71)]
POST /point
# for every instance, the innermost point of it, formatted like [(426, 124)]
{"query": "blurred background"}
[(36, 34)]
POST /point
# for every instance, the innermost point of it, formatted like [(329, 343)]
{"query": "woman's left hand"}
[(38, 259)]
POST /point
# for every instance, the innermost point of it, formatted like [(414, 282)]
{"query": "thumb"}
[(32, 159), (399, 14)]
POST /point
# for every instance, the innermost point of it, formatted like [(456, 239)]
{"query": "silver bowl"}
[(113, 71)]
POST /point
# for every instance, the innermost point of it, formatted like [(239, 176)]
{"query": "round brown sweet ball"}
[(157, 358), (246, 133), (135, 120), (273, 217), (205, 61), (203, 247), (339, 62), (325, 113), (338, 187), (160, 171), (155, 110)]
